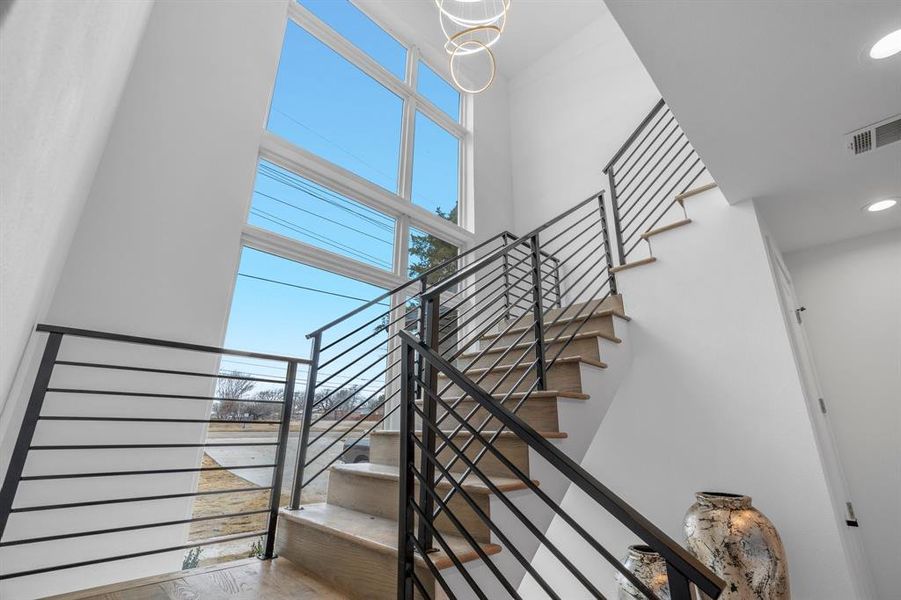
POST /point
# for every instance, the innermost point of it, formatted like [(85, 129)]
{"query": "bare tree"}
[(339, 401), (266, 411), (231, 389)]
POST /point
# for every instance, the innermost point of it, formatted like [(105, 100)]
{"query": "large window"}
[(353, 97), (359, 187), (326, 105), (359, 184)]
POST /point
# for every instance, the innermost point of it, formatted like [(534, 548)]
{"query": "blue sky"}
[(324, 104)]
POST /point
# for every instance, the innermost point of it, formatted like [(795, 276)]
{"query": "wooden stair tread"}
[(548, 340), (606, 312), (562, 360), (694, 192), (652, 232), (633, 264), (472, 483), (376, 533), (548, 435)]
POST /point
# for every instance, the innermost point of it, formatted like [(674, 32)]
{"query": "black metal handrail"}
[(646, 175), (507, 248), (579, 241), (361, 354), (407, 284), (35, 414), (683, 569)]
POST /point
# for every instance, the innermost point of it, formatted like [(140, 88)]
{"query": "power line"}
[(303, 231), (293, 181), (338, 223), (310, 289)]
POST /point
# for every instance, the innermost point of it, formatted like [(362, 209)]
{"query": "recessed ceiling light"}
[(887, 46), (880, 205)]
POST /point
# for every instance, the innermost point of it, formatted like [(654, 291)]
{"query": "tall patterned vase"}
[(738, 543), (649, 568)]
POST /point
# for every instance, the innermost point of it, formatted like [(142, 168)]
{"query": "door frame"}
[(820, 418)]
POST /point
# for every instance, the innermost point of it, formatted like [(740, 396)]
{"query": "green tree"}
[(427, 251)]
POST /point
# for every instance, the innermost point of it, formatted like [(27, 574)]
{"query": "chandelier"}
[(471, 28)]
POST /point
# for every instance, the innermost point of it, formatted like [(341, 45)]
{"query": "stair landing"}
[(249, 579)]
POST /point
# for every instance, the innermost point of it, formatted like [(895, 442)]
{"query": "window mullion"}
[(407, 130), (402, 247)]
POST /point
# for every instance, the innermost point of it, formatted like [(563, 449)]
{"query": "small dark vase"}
[(649, 568), (738, 543)]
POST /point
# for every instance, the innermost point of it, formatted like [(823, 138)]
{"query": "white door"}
[(818, 409)]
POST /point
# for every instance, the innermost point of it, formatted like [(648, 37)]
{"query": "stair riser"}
[(611, 303), (378, 496), (354, 569), (384, 450), (603, 324), (564, 377), (540, 413), (586, 347)]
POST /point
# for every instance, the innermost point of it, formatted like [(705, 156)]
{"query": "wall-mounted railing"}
[(647, 173), (119, 429)]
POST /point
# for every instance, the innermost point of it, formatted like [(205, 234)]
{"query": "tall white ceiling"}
[(533, 27), (766, 91)]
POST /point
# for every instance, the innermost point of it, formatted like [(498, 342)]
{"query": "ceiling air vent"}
[(874, 136)]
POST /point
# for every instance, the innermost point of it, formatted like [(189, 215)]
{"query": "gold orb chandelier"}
[(471, 28)]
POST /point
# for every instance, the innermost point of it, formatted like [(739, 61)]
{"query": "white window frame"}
[(399, 205)]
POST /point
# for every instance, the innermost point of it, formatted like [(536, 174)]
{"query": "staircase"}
[(351, 538), (471, 400)]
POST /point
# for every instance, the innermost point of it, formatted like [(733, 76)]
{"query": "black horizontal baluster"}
[(672, 552)]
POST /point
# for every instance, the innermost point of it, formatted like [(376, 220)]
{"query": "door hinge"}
[(851, 521), (822, 405), (798, 312)]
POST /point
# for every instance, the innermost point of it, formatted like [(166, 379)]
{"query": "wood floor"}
[(248, 579)]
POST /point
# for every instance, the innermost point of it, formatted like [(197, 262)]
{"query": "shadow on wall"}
[(5, 5)]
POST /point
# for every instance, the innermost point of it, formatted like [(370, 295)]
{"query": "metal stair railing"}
[(684, 571), (352, 387), (75, 388), (578, 239), (654, 165)]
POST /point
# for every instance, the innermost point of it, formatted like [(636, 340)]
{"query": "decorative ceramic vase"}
[(649, 568), (738, 543)]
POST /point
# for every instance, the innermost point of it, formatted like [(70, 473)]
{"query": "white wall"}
[(852, 292), (155, 254), (63, 65), (713, 402), (492, 177), (569, 113), (158, 245)]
